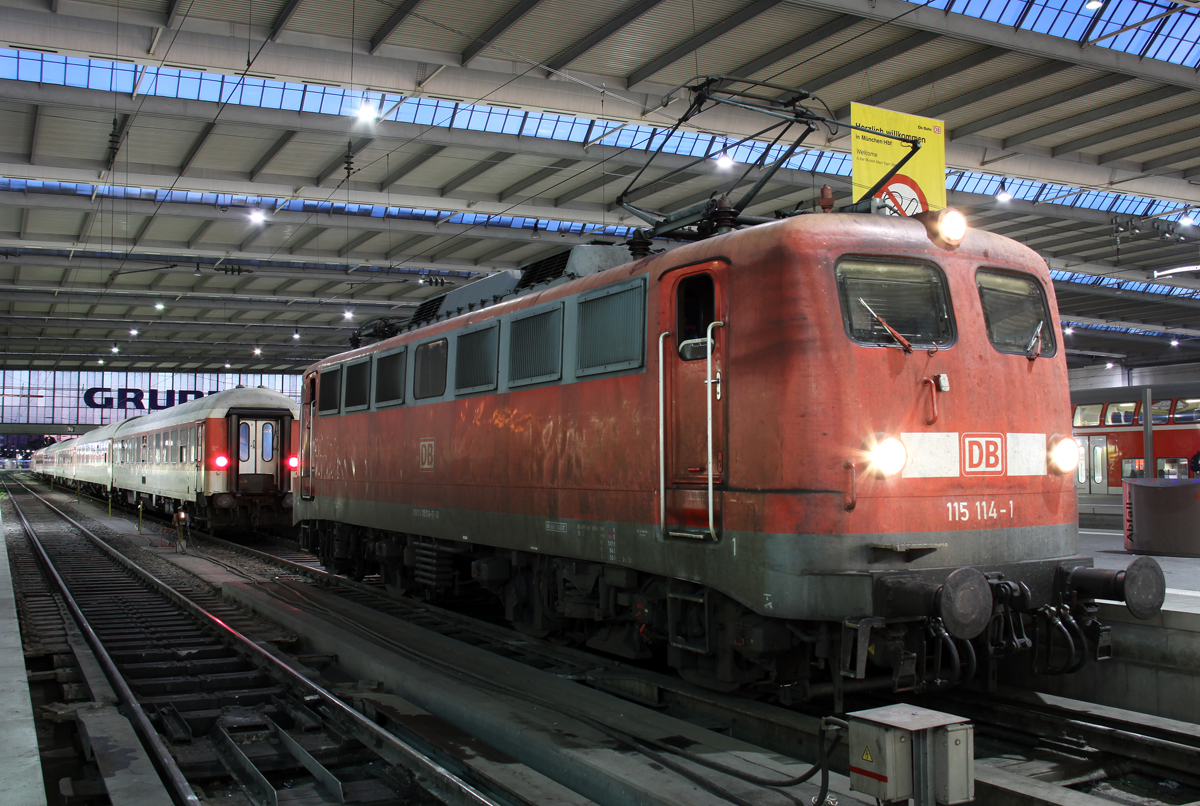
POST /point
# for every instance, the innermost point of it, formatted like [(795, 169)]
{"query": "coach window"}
[(331, 391), (244, 442), (389, 378), (268, 442), (175, 446), (429, 376), (1015, 313), (157, 448), (358, 386), (694, 302), (1088, 415), (1160, 412), (910, 298), (1120, 413), (1187, 411)]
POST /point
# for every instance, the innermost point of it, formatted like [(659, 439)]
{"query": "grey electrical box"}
[(900, 751)]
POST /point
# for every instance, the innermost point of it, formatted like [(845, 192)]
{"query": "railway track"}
[(209, 703), (1060, 746)]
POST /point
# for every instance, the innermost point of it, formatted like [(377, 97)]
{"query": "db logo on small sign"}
[(427, 454), (983, 454)]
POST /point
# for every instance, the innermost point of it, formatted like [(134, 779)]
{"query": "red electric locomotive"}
[(823, 453)]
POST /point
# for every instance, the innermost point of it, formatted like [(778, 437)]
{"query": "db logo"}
[(427, 454), (983, 454)]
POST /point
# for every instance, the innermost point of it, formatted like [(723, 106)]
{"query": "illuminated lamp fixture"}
[(724, 161), (258, 351), (1181, 269), (226, 366), (1174, 342), (100, 361), (887, 457), (1064, 454), (158, 306), (1002, 195), (1092, 5), (1187, 220), (367, 112), (257, 216), (133, 331), (293, 462), (1068, 330), (295, 334), (946, 228), (115, 348), (1109, 365), (348, 315), (221, 462)]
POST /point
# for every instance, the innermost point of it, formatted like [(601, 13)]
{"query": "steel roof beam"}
[(582, 46), (817, 36), (510, 18), (1040, 104), (198, 144), (995, 88), (925, 79), (197, 235), (534, 178), (354, 243), (285, 16), (619, 172), (1163, 141), (870, 61), (484, 165), (1161, 119), (393, 22), (1170, 160), (409, 166), (1123, 294), (699, 40), (254, 235), (1092, 115), (272, 152)]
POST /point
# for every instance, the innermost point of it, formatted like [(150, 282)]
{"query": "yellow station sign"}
[(921, 184)]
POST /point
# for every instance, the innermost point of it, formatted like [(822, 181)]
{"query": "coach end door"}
[(692, 339)]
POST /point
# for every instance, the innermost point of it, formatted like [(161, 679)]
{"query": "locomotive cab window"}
[(695, 304), (429, 370), (911, 298), (331, 391), (1015, 313)]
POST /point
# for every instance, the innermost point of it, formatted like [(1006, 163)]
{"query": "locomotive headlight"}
[(1064, 454), (946, 228), (888, 456)]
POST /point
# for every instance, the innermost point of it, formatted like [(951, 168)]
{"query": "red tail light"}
[(293, 462), (221, 462)]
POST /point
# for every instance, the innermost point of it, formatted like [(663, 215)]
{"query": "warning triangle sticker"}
[(867, 754), (871, 649)]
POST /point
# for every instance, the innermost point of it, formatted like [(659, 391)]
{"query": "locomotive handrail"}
[(662, 439), (708, 398)]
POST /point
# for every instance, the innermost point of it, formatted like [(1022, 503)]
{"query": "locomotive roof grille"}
[(428, 310), (544, 270)]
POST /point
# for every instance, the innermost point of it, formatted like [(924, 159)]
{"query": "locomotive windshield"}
[(1015, 311), (909, 298)]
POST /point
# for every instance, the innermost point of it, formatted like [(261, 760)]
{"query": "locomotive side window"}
[(1120, 414), (331, 391), (1088, 415), (358, 386), (694, 301), (910, 297), (244, 442), (389, 378), (535, 348), (1187, 411), (475, 366), (1015, 313), (429, 377), (1160, 412), (611, 329)]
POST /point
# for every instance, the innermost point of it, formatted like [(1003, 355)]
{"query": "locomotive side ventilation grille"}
[(475, 367), (544, 270), (428, 310), (610, 331), (358, 383), (331, 390), (535, 351)]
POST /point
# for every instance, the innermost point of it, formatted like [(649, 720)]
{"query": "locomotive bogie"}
[(710, 420)]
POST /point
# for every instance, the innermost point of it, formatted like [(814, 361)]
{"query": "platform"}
[(20, 762), (1107, 548)]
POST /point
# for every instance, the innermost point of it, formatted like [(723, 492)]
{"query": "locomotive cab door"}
[(307, 412), (692, 311)]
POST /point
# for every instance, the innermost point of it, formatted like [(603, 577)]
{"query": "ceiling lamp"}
[(348, 315), (258, 351), (1187, 220), (133, 331), (1174, 342), (1092, 5), (724, 161), (257, 216), (158, 306), (367, 112), (295, 334), (1002, 194)]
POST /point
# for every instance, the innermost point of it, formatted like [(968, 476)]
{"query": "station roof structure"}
[(243, 183)]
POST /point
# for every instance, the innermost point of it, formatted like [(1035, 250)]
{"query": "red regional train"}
[(225, 459), (823, 454), (1109, 426)]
